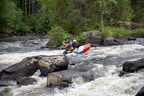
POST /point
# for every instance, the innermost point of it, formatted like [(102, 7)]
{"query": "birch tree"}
[(105, 9)]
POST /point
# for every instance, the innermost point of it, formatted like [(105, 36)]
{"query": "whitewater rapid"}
[(106, 63)]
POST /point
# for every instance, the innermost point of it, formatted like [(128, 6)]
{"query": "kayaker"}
[(69, 47), (75, 44)]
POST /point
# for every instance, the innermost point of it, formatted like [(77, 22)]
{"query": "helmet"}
[(67, 41), (74, 40)]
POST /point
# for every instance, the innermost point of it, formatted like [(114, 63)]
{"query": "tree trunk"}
[(26, 9), (102, 21), (29, 8)]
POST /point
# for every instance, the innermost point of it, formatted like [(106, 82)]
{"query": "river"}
[(105, 62)]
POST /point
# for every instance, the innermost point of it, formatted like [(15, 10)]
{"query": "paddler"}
[(75, 44), (69, 47)]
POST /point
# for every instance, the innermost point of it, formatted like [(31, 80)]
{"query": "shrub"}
[(43, 23), (80, 37), (57, 35)]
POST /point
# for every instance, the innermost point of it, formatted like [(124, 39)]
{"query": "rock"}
[(139, 41), (53, 63), (64, 78), (130, 67), (122, 40), (94, 37), (21, 71), (4, 83), (27, 67), (140, 92), (25, 81), (109, 40), (138, 35)]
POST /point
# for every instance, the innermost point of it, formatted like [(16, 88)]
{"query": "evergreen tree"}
[(138, 7), (124, 10)]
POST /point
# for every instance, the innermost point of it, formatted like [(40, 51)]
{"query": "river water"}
[(105, 62)]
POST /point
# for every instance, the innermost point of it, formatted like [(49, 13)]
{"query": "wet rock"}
[(27, 67), (130, 67), (139, 41), (64, 78), (29, 43), (123, 39), (53, 63), (140, 92), (50, 45), (4, 83), (25, 81)]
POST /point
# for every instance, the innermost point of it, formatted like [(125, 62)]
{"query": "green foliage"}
[(57, 35), (81, 37), (11, 17), (43, 22), (116, 32), (124, 10), (32, 21), (137, 6), (75, 16), (139, 31)]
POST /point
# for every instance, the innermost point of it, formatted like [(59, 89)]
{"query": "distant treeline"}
[(74, 16)]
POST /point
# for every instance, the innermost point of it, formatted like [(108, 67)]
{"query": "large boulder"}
[(130, 67), (21, 71), (53, 63), (140, 92), (27, 67), (64, 78), (94, 37)]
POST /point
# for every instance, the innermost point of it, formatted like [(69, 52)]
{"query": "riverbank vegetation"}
[(73, 16)]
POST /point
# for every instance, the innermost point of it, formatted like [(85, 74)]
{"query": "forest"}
[(72, 16)]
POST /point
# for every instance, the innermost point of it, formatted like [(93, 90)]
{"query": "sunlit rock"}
[(94, 37), (53, 63)]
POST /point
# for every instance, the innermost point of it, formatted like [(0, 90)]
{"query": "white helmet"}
[(74, 40)]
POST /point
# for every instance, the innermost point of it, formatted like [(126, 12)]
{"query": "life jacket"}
[(69, 46), (74, 45)]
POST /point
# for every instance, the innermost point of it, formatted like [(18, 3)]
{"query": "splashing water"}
[(105, 62)]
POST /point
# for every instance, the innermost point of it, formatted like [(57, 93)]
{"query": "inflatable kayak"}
[(80, 50)]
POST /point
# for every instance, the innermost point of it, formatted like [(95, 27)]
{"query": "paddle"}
[(61, 46)]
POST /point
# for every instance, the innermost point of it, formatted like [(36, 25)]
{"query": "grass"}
[(116, 32), (139, 31)]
